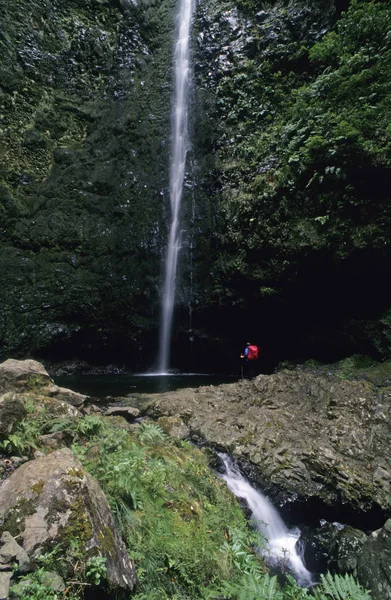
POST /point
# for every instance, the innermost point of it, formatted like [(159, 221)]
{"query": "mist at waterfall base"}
[(281, 551)]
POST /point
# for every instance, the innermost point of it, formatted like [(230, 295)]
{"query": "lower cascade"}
[(281, 542)]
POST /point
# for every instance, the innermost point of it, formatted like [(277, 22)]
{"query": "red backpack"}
[(252, 352)]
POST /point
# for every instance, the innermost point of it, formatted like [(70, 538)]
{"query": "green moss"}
[(79, 527), (75, 472), (36, 381), (15, 521), (106, 541), (38, 487)]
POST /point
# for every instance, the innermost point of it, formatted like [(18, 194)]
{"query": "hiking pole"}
[(241, 367)]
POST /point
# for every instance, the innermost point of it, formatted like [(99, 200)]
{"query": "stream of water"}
[(177, 174), (281, 550)]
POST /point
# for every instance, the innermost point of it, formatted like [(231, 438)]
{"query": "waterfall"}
[(281, 542), (177, 174)]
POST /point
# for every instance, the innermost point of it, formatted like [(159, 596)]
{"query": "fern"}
[(59, 424), (249, 587), (89, 426), (293, 592), (266, 589), (336, 587), (149, 432)]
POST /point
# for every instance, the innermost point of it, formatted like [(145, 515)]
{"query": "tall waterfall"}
[(281, 549), (177, 174)]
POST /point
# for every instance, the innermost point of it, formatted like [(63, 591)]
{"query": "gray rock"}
[(12, 411), (6, 567), (53, 581), (346, 549), (124, 411), (65, 395), (51, 500), (174, 427), (22, 375), (29, 376), (374, 563), (5, 578), (56, 440), (11, 551), (92, 409)]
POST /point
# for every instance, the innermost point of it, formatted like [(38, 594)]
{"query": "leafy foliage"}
[(302, 170), (172, 512), (337, 587)]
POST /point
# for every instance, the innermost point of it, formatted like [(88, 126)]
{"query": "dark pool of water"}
[(101, 386)]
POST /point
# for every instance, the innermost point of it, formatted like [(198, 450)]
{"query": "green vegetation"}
[(314, 136), (300, 166), (178, 520), (331, 587), (41, 585)]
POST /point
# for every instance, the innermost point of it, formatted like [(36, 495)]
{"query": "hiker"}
[(249, 358)]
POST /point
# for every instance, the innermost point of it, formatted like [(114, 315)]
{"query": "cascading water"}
[(281, 541), (177, 174)]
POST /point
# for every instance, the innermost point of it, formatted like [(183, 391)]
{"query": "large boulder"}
[(374, 563), (51, 501), (29, 376), (22, 375), (302, 433)]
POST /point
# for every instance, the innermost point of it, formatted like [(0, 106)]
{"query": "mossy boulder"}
[(174, 427), (31, 378), (346, 549), (53, 501), (22, 375), (374, 563)]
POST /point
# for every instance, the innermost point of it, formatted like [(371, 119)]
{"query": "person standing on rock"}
[(249, 357)]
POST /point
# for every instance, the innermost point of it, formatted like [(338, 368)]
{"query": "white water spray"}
[(177, 174), (281, 549)]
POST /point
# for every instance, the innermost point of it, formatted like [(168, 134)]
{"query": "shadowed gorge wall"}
[(298, 108), (85, 97)]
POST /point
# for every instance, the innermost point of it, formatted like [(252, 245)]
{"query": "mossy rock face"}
[(86, 121), (298, 257), (52, 500)]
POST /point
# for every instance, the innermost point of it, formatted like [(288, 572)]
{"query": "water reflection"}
[(101, 386)]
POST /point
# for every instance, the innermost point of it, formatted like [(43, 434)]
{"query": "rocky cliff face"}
[(85, 100)]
